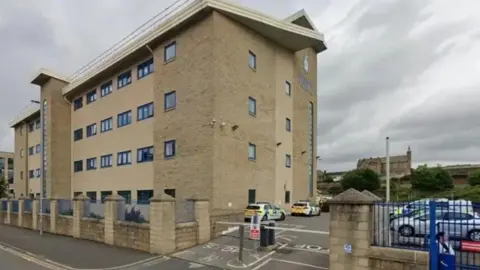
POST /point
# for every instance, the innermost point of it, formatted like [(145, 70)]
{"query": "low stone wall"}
[(27, 220), (14, 219), (226, 216), (64, 225), (397, 259), (185, 235), (46, 223), (93, 229), (132, 235)]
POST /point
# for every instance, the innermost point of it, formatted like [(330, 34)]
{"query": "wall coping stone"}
[(132, 224), (65, 216), (186, 224), (398, 255), (93, 219), (81, 197), (22, 198), (162, 198), (352, 196), (369, 193), (114, 198)]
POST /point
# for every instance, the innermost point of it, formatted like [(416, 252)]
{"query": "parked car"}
[(457, 224), (266, 211), (303, 208)]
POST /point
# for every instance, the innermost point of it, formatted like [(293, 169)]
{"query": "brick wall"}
[(27, 220), (92, 229), (217, 229), (64, 225), (185, 235), (397, 259), (132, 235)]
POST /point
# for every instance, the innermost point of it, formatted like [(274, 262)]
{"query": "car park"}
[(305, 208), (266, 211)]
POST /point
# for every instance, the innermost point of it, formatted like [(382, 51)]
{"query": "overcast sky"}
[(408, 69)]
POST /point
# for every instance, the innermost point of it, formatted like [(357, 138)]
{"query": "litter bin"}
[(263, 236), (271, 234)]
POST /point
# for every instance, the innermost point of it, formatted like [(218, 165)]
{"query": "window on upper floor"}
[(91, 130), (124, 118), (91, 96), (288, 89), (124, 79), (106, 125), (78, 103), (104, 194), (92, 195), (38, 148), (21, 152), (91, 164), (252, 151), (21, 130), (37, 124), (78, 166), (288, 161), (145, 111), (106, 161), (37, 173), (106, 89), (78, 134), (145, 154), (21, 174), (288, 124), (31, 151), (170, 101), (252, 60), (124, 158), (169, 149), (31, 174), (126, 194), (31, 126), (144, 196), (170, 52), (145, 68), (252, 106)]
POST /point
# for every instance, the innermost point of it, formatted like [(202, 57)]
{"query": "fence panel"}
[(184, 211), (4, 206), (65, 207), (134, 211), (15, 206), (27, 205)]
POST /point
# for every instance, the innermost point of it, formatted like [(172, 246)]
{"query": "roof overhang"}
[(301, 18), (33, 110), (43, 75), (285, 33)]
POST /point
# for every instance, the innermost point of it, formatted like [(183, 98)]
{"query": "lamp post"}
[(42, 175), (387, 167)]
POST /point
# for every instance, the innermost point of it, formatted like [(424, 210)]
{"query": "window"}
[(288, 125), (106, 161), (106, 89), (37, 124), (252, 151), (21, 131), (124, 158), (288, 161), (92, 195), (92, 130), (78, 166), (36, 173), (91, 164), (124, 119), (21, 174), (169, 149), (106, 125), (145, 111), (124, 79), (170, 192), (144, 196), (31, 151), (78, 134), (170, 100), (31, 174), (252, 194), (252, 60), (145, 154), (145, 69), (287, 196), (457, 216), (77, 193), (31, 126), (288, 89), (127, 194), (38, 148), (78, 103), (170, 51), (21, 152), (91, 96), (252, 106), (104, 194)]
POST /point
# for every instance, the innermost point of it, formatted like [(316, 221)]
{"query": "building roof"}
[(43, 75), (6, 154), (26, 113), (290, 33)]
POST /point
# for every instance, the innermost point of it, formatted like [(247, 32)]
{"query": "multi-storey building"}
[(7, 169), (216, 102), (400, 165)]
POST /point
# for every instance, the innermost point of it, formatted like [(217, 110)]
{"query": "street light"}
[(387, 155), (42, 176)]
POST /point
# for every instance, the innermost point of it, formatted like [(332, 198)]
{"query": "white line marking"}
[(308, 250), (262, 264), (301, 264), (282, 229), (230, 230)]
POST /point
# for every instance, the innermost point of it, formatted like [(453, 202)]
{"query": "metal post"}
[(433, 241), (42, 167), (387, 165), (240, 252)]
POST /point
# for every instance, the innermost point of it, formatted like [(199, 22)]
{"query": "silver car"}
[(456, 224)]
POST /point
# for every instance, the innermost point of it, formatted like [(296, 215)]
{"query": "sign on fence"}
[(255, 227), (470, 246)]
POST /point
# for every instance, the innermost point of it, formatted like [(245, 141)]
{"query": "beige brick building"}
[(400, 165), (216, 102), (7, 169)]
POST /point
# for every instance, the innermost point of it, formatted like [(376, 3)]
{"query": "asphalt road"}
[(14, 262)]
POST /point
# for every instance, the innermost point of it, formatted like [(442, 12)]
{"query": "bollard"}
[(271, 234), (263, 236)]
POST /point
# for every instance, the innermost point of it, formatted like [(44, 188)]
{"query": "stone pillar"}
[(162, 224), (78, 213), (3, 213), (9, 212), (35, 212), (112, 203), (350, 226), (21, 210), (202, 217), (53, 215)]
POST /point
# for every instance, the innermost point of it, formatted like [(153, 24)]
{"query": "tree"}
[(431, 179), (328, 179), (474, 179), (335, 190), (3, 187), (361, 179)]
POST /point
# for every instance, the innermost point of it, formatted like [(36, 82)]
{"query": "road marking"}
[(154, 262), (195, 265), (262, 264), (301, 264), (326, 251), (283, 229)]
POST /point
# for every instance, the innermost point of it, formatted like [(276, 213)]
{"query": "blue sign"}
[(348, 248)]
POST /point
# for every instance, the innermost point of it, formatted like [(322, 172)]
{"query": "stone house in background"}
[(399, 165)]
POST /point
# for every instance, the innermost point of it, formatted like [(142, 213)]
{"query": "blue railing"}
[(4, 205)]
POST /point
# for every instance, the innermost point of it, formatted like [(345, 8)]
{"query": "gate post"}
[(433, 249)]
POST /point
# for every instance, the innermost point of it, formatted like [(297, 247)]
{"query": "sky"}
[(406, 69)]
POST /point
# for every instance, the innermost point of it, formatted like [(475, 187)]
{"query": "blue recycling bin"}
[(446, 262)]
